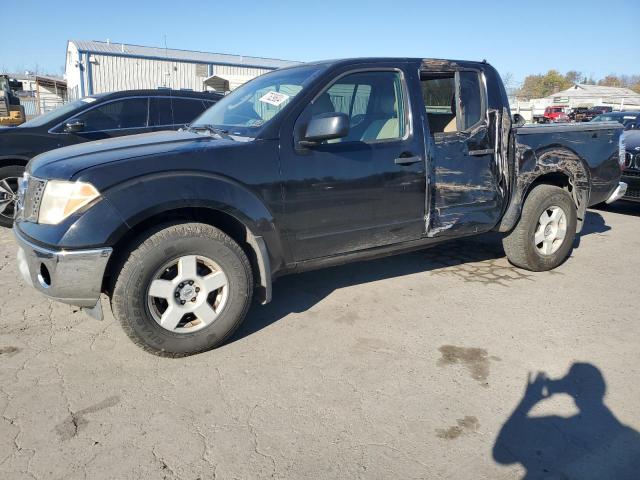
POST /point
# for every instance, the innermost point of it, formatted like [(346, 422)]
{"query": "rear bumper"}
[(618, 193), (68, 276)]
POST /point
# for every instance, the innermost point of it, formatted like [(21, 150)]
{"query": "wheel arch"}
[(253, 245), (138, 203), (11, 161), (559, 166)]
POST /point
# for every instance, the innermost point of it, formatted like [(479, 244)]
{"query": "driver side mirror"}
[(74, 127), (325, 126), (518, 120)]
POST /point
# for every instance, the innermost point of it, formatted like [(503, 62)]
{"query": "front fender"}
[(143, 197), (130, 203)]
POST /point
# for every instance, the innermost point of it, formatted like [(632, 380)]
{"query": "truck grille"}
[(632, 193), (30, 192), (632, 160)]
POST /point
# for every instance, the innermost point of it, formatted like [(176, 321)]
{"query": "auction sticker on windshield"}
[(274, 98)]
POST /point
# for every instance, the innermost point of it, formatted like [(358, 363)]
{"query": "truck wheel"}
[(183, 290), (544, 235), (9, 179)]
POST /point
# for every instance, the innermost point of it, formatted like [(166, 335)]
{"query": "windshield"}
[(57, 113), (248, 109)]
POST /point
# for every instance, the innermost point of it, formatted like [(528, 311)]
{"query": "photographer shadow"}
[(592, 444)]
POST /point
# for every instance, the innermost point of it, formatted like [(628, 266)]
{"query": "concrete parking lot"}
[(413, 366)]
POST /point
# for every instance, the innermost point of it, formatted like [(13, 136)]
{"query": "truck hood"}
[(64, 163)]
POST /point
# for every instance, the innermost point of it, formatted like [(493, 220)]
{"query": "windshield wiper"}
[(221, 132)]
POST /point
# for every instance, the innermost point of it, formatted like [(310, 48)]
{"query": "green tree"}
[(543, 85), (537, 86), (611, 80), (574, 77)]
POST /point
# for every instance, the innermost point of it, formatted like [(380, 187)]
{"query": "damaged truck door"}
[(466, 197)]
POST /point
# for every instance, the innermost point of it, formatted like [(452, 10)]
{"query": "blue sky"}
[(518, 37)]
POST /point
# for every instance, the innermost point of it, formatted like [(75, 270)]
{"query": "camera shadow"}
[(593, 444)]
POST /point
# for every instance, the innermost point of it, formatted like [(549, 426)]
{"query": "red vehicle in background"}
[(554, 114)]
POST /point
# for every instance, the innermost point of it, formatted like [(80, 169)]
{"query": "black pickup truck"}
[(301, 168)]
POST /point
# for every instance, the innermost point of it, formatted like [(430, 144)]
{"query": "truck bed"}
[(589, 150)]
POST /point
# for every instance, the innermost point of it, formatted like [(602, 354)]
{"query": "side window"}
[(373, 101), (470, 99), (160, 112), (167, 111), (439, 95), (125, 113), (186, 110), (449, 111)]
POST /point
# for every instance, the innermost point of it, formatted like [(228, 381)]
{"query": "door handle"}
[(407, 160), (486, 151)]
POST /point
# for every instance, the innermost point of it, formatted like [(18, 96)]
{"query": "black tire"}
[(155, 249), (519, 244), (6, 173)]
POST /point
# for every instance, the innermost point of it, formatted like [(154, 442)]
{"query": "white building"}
[(39, 93), (95, 67), (581, 95)]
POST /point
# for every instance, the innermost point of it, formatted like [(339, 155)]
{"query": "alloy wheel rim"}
[(551, 230), (187, 294), (8, 196)]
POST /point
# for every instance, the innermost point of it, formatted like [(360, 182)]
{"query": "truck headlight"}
[(61, 198)]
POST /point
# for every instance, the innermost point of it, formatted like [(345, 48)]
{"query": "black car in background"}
[(628, 119), (633, 125), (631, 171), (599, 110), (579, 114), (92, 118)]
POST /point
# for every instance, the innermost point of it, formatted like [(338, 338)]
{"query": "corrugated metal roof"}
[(32, 77), (49, 80), (127, 50)]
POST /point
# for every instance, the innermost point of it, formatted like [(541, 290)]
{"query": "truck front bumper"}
[(68, 276)]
